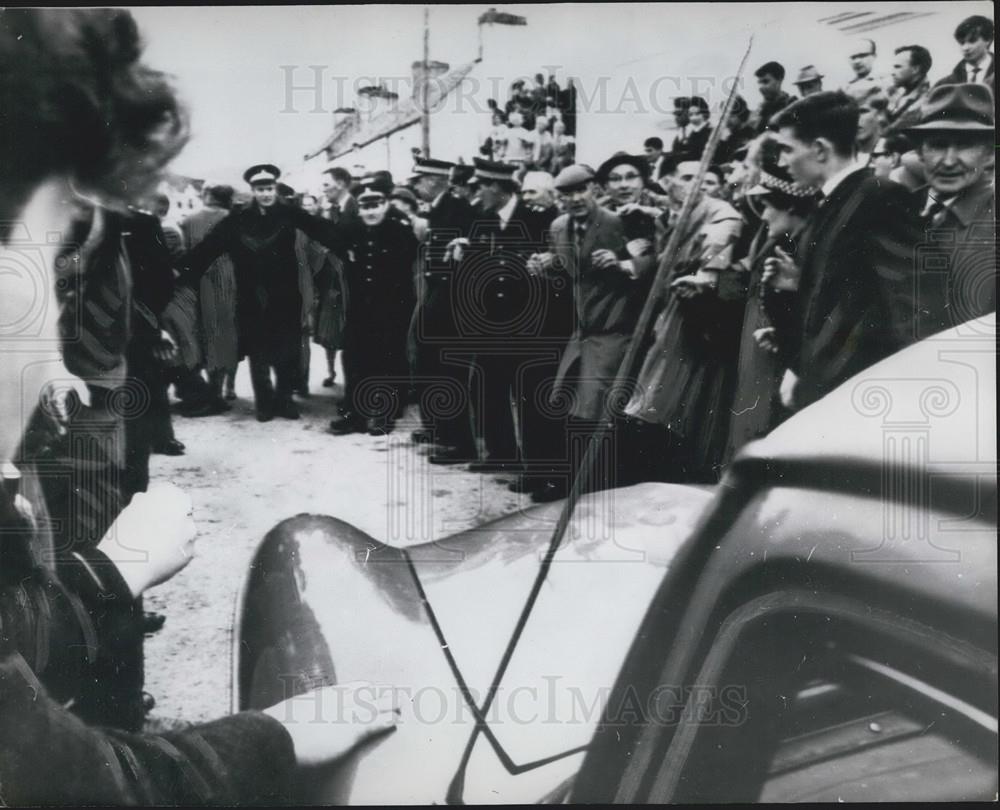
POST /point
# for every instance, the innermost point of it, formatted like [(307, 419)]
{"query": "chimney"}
[(435, 70)]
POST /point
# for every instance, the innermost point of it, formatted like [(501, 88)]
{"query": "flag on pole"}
[(502, 18)]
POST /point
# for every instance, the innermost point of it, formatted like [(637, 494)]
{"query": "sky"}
[(233, 65)]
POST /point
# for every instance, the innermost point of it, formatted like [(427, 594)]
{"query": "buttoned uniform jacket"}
[(607, 305), (450, 217), (497, 302), (856, 299), (957, 260), (961, 74), (378, 272)]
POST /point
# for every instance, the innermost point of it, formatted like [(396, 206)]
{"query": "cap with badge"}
[(777, 181), (430, 166), (491, 170), (373, 188), (574, 177), (262, 173), (461, 174)]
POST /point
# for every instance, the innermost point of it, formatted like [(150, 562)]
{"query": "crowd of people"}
[(502, 297)]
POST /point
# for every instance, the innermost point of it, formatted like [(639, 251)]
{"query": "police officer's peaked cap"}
[(461, 174), (374, 186), (490, 170), (262, 173), (432, 166)]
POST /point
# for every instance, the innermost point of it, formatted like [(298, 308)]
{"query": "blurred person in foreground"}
[(92, 121)]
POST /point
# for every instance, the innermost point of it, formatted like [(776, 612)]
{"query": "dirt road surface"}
[(244, 477)]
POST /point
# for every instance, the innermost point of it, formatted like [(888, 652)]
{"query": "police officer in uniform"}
[(378, 252), (261, 242), (499, 307), (434, 333)]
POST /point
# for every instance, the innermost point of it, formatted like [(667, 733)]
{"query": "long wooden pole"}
[(593, 446), (425, 116)]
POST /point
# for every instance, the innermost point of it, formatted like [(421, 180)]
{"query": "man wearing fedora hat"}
[(809, 81), (955, 141)]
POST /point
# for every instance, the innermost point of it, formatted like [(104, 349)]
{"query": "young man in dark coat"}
[(974, 36), (855, 300)]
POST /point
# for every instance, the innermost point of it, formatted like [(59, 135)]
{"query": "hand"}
[(539, 263), (328, 722), (166, 350), (603, 259), (63, 397), (153, 538), (767, 339), (781, 272), (694, 285), (787, 390), (455, 248)]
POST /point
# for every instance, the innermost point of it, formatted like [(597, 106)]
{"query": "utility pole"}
[(425, 117)]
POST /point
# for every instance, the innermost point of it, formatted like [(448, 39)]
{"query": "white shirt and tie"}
[(975, 73)]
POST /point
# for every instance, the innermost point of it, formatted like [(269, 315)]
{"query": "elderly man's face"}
[(581, 201), (625, 183), (810, 88), (310, 204), (953, 161), (861, 64), (265, 194)]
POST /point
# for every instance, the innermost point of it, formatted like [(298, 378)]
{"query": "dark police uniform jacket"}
[(496, 300)]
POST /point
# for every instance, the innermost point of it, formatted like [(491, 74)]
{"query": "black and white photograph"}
[(565, 403)]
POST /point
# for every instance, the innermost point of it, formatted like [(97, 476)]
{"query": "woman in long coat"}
[(685, 382), (216, 294), (756, 405)]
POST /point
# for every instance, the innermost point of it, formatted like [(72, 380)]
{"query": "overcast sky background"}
[(228, 61)]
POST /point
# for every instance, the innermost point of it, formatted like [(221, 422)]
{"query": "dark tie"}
[(935, 214), (973, 74)]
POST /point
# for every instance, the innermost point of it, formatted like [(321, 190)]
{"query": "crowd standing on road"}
[(500, 296)]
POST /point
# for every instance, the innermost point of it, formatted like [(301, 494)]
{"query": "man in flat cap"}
[(955, 140), (609, 276), (433, 330), (260, 239), (379, 252), (499, 307)]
